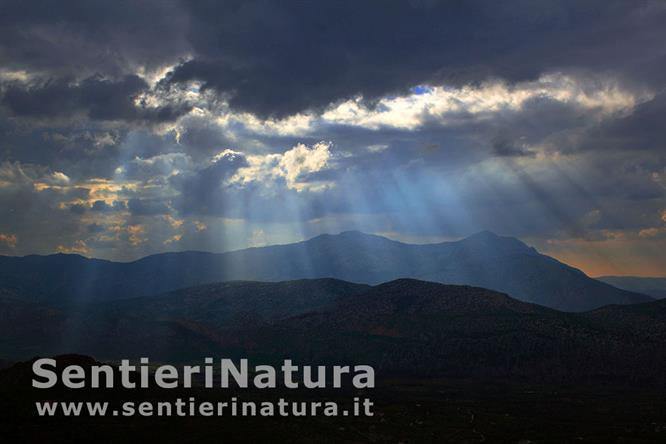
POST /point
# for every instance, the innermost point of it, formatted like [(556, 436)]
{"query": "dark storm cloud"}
[(506, 148), (103, 207), (95, 98), (36, 217), (95, 228), (160, 165), (641, 130), (148, 207), (78, 208), (201, 135), (284, 57), (85, 37), (201, 190), (279, 58)]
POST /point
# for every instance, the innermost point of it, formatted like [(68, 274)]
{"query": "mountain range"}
[(485, 260), (651, 286)]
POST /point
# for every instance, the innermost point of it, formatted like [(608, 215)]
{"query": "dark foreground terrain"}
[(404, 326), (474, 365), (406, 410)]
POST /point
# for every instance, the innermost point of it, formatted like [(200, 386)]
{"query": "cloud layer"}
[(133, 128)]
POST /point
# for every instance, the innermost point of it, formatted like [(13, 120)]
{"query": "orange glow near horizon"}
[(611, 257)]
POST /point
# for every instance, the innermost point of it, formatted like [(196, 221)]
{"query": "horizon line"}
[(329, 234)]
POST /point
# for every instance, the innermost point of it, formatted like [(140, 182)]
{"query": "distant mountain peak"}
[(487, 235), (488, 241), (353, 235)]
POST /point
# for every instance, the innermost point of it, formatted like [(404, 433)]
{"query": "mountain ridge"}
[(487, 234), (484, 259), (651, 286)]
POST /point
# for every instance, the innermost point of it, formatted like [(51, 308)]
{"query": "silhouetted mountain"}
[(485, 259), (405, 326), (651, 286), (429, 328)]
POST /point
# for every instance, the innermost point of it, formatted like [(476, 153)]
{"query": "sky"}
[(133, 128)]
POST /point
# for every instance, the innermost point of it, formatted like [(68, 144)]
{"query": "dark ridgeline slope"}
[(644, 321), (485, 260), (240, 302), (27, 328), (429, 328), (177, 325), (406, 326), (651, 286)]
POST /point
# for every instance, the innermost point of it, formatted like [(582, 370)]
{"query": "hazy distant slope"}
[(655, 287), (485, 259)]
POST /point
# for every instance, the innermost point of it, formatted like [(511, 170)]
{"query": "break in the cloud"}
[(8, 239), (294, 166), (130, 129)]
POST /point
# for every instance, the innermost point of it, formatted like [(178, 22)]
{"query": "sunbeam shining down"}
[(466, 196)]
